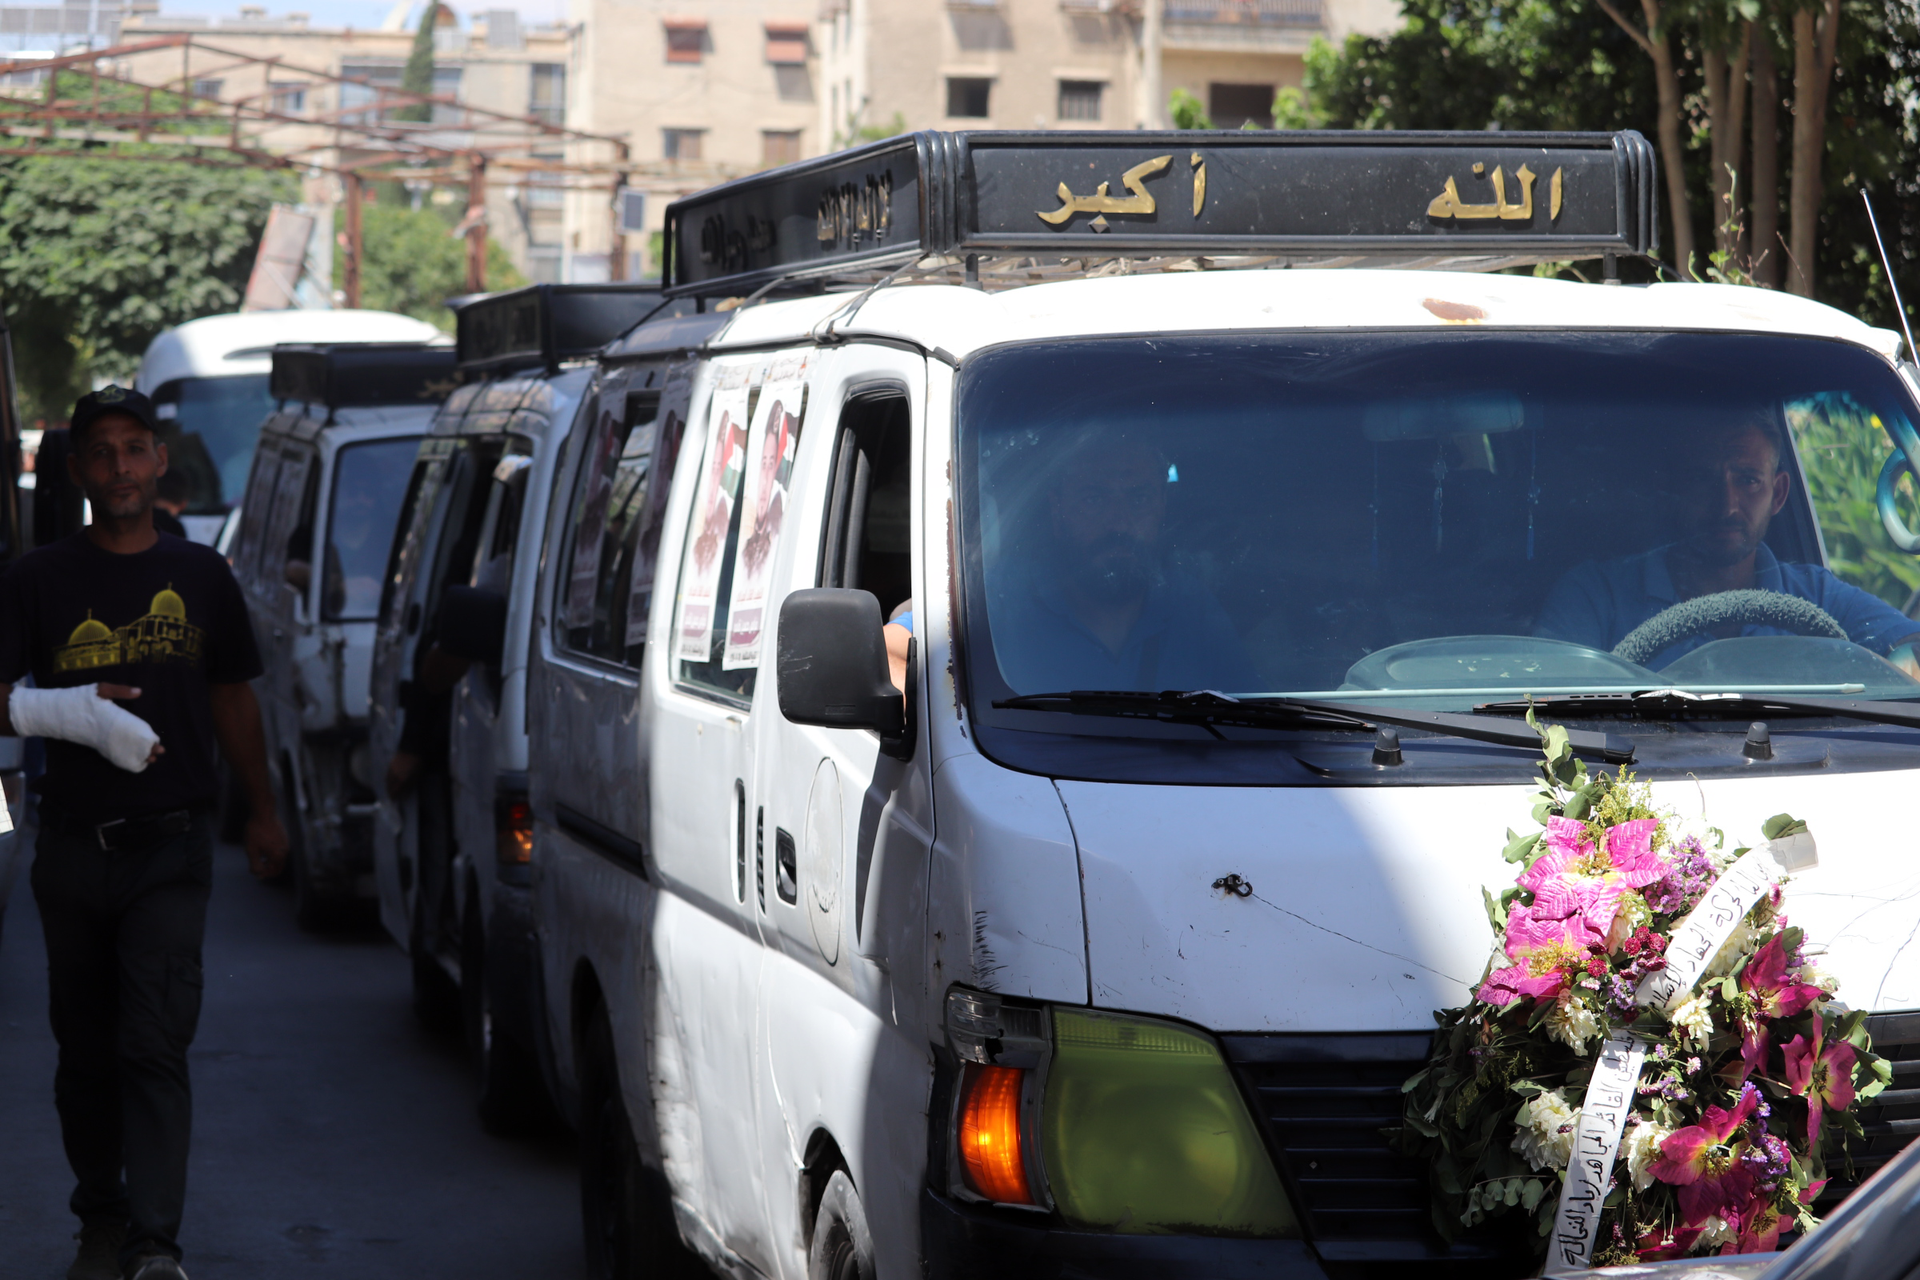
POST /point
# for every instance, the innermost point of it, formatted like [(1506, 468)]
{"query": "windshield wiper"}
[(1209, 709), (1677, 704)]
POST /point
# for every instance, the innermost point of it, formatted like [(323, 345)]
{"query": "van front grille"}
[(1326, 1100)]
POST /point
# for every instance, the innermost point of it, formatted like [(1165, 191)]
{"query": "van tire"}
[(510, 1086), (842, 1246), (436, 999), (626, 1215)]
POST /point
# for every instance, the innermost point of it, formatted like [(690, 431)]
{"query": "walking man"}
[(140, 651)]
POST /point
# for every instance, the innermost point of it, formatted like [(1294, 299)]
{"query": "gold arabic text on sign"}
[(1448, 203), (1100, 202), (1199, 183)]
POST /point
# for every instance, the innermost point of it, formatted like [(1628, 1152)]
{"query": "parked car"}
[(208, 380), (321, 506), (1041, 969), (448, 740)]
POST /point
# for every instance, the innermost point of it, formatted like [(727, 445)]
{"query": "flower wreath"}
[(1723, 1093)]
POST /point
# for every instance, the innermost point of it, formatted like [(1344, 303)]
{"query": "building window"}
[(779, 146), (786, 44), (681, 144), (1233, 106), (1080, 99), (207, 88), (967, 98), (686, 39), (289, 99), (548, 102)]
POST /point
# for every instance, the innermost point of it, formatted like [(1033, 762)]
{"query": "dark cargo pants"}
[(123, 966)]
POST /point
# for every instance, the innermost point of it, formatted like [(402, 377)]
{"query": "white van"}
[(321, 505), (449, 667), (208, 381), (1050, 972)]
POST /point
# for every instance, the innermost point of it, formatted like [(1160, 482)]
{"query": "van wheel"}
[(842, 1248), (625, 1214), (436, 1000), (510, 1086)]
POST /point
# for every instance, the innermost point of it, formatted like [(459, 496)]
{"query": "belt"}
[(122, 835)]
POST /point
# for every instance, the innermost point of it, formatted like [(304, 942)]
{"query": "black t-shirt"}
[(169, 620)]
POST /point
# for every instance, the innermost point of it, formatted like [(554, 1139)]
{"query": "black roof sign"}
[(1461, 200), (543, 324), (347, 374)]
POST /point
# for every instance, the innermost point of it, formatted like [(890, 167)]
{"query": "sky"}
[(362, 13)]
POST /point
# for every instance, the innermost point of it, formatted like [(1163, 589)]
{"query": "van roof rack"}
[(1003, 208), (348, 374), (542, 325)]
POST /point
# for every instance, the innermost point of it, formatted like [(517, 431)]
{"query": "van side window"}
[(867, 543), (603, 526), (289, 494), (254, 510), (368, 485), (409, 530)]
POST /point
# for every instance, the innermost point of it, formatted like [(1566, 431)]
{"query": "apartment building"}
[(493, 62), (703, 91), (1068, 64)]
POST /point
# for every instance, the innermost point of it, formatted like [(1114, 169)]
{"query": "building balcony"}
[(1243, 13)]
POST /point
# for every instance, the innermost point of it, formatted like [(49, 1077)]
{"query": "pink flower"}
[(1573, 879), (1704, 1162), (1533, 978), (1823, 1076), (1775, 986)]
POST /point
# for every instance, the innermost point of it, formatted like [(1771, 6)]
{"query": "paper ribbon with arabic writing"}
[(1616, 1075)]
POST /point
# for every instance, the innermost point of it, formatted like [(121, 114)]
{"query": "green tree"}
[(411, 263), (97, 256), (1187, 111), (418, 75)]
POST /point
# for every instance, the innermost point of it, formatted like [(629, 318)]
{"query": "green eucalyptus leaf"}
[(1781, 825)]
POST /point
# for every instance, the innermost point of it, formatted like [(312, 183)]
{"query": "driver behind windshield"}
[(1733, 480), (1101, 606)]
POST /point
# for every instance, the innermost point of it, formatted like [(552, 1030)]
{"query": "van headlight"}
[(1115, 1122)]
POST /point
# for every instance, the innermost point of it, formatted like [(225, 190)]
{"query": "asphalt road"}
[(332, 1134)]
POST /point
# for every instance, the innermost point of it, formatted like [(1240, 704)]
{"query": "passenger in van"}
[(1101, 607), (1733, 481)]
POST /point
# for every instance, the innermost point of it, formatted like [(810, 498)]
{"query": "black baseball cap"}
[(113, 399)]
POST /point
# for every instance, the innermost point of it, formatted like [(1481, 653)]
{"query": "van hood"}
[(1365, 910)]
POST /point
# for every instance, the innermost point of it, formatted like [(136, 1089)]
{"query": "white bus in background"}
[(208, 379)]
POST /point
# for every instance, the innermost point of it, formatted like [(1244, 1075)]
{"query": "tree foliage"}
[(417, 76), (411, 263), (97, 256), (1564, 64)]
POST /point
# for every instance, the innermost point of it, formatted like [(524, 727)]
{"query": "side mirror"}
[(473, 624), (833, 662)]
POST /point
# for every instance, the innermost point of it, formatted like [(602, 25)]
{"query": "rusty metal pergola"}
[(356, 144)]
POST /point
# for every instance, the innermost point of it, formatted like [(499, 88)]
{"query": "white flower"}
[(1821, 979), (1716, 1232), (1692, 1020), (1641, 1149), (1744, 939), (1547, 1126), (1573, 1024)]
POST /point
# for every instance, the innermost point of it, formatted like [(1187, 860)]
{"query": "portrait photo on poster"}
[(775, 438)]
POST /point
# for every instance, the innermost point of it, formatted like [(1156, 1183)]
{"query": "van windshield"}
[(1431, 519), (210, 439)]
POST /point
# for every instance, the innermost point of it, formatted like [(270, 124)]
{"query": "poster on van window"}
[(670, 426), (770, 450), (726, 457), (583, 572)]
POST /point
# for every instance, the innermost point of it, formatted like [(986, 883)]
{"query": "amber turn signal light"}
[(990, 1142)]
